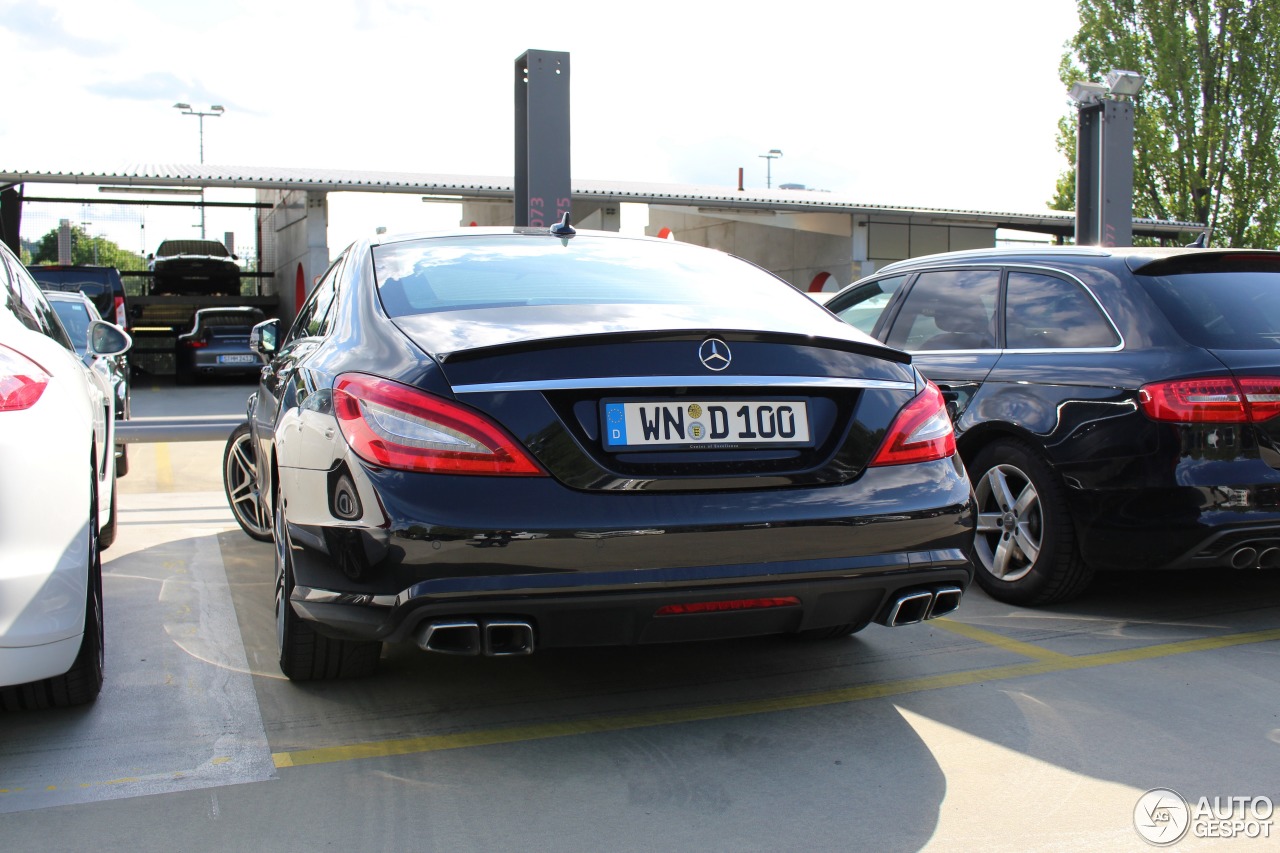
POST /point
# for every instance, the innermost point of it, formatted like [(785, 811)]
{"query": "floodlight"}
[(1086, 94), (1126, 83), (181, 106)]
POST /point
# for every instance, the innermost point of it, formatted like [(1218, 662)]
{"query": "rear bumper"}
[(592, 569), (626, 616), (1199, 520)]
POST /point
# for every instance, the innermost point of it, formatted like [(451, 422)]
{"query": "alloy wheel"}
[(1010, 522)]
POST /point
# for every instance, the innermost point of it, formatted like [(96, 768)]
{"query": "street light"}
[(1104, 158), (215, 111), (773, 154)]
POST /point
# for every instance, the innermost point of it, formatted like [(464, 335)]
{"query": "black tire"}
[(122, 461), (82, 683), (241, 484), (305, 654), (1025, 547)]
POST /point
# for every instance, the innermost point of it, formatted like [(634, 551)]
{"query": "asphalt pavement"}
[(998, 728)]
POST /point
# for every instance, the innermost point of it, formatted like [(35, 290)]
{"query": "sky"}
[(914, 103)]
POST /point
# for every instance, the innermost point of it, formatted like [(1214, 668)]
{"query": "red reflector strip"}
[(726, 606)]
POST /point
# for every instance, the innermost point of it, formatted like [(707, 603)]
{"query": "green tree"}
[(1207, 123), (86, 249)]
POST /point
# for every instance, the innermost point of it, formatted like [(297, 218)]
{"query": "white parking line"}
[(178, 710)]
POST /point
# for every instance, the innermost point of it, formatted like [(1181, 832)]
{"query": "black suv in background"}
[(101, 284), (1116, 408), (194, 267)]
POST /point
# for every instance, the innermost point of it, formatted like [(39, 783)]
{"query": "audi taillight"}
[(920, 433), (1216, 400), (22, 381), (395, 426)]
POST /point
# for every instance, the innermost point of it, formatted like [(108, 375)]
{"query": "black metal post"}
[(11, 218), (1104, 174), (543, 189)]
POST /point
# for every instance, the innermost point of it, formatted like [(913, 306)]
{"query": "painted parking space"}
[(911, 738)]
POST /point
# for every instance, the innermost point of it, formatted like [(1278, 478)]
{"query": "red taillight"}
[(195, 344), (727, 606), (1215, 400), (118, 309), (396, 426), (22, 381), (920, 433)]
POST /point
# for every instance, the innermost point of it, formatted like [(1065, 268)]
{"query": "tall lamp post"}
[(1104, 159), (215, 111), (773, 154)]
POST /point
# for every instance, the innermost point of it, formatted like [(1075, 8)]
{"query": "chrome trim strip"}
[(311, 595), (717, 381)]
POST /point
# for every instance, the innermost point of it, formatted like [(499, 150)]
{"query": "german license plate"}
[(237, 359), (630, 424)]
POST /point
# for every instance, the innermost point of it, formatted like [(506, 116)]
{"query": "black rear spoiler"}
[(846, 345)]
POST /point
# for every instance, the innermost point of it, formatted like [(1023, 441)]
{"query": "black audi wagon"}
[(1115, 408), (492, 441)]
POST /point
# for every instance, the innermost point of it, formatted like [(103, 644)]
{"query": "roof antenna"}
[(563, 228), (1201, 242)]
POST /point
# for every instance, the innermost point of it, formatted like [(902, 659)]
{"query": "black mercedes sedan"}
[(492, 441), (1116, 408)]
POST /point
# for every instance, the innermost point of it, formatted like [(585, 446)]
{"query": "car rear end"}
[(585, 457), (102, 285), (1210, 494), (218, 342), (194, 268)]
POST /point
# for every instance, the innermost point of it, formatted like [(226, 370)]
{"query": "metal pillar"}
[(542, 185), (1104, 174), (11, 218)]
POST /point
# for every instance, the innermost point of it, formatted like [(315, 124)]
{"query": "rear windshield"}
[(458, 273), (192, 247), (94, 284), (91, 283), (1217, 310)]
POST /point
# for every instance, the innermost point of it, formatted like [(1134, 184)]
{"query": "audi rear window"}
[(460, 273), (1220, 310)]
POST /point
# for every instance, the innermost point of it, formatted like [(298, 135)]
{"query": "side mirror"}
[(264, 338), (107, 339)]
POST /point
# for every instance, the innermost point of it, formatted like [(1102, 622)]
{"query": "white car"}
[(57, 499), (77, 313)]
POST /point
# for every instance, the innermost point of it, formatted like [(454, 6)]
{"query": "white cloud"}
[(928, 103)]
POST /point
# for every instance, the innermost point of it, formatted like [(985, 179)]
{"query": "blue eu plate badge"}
[(616, 424)]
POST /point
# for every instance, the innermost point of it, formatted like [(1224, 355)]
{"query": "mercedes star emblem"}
[(715, 354)]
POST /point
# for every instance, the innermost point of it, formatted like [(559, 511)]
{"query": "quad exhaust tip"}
[(503, 638), (913, 607), (1264, 556)]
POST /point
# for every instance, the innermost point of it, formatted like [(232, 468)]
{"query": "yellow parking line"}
[(1046, 662), (991, 638), (164, 467)]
